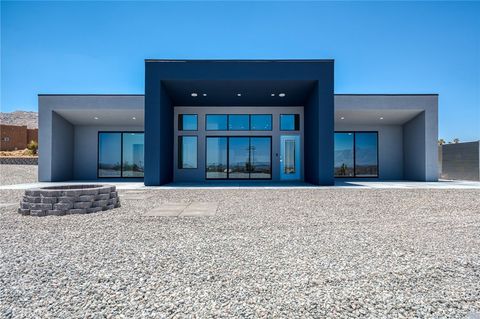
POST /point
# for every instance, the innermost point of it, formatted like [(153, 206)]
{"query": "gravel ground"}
[(267, 253), (18, 174)]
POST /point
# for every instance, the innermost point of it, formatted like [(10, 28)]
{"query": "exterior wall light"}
[(95, 118), (281, 95), (239, 94), (194, 94)]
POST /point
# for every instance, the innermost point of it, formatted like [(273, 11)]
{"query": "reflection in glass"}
[(289, 122), (261, 122), (366, 154), (238, 122), (216, 122), (216, 158), (343, 154), (187, 152), (132, 165), (109, 154), (187, 122), (289, 165), (238, 157), (260, 157)]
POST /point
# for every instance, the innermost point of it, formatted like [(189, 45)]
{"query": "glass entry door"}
[(290, 157), (239, 157)]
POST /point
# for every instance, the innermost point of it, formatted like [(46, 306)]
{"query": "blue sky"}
[(378, 47)]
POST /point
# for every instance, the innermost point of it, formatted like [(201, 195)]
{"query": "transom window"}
[(216, 122), (120, 154), (238, 122), (261, 122), (356, 154), (187, 122), (289, 122)]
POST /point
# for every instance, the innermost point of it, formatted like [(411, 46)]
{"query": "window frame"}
[(249, 158), (180, 127), (355, 155), (179, 160), (121, 153), (296, 120)]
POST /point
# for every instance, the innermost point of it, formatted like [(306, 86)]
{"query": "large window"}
[(238, 157), (187, 122), (366, 157), (120, 154), (289, 122), (356, 154), (187, 152)]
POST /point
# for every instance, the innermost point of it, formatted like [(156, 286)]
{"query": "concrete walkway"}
[(442, 184)]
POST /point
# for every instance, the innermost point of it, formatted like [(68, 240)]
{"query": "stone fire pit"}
[(70, 199)]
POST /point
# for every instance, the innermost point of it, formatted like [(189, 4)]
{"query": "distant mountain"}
[(30, 119)]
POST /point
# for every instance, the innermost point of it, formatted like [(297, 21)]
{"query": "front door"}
[(290, 157)]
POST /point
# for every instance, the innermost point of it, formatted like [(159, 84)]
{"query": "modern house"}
[(232, 120)]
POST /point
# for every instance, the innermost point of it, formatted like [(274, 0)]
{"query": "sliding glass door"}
[(238, 157), (120, 154), (216, 158), (344, 162), (366, 157), (356, 154)]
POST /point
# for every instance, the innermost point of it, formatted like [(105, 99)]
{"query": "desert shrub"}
[(32, 147)]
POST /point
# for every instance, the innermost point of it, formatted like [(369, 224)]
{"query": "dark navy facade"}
[(312, 81)]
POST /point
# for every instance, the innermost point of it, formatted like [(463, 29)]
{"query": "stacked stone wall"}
[(64, 200)]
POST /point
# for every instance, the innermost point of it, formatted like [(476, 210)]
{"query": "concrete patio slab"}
[(167, 210), (194, 209), (197, 209), (136, 196)]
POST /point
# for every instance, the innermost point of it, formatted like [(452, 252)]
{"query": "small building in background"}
[(460, 161), (16, 137)]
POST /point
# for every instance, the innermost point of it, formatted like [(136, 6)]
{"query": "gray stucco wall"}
[(390, 148), (86, 149), (414, 148), (62, 148), (198, 174), (461, 161)]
